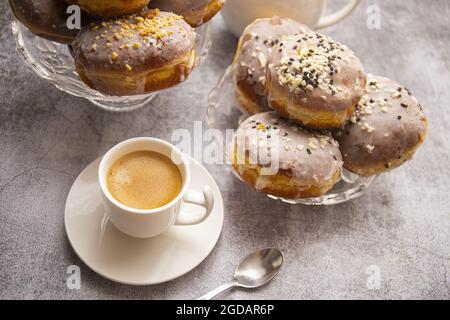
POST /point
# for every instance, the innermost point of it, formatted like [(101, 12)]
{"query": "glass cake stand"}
[(224, 113), (54, 62)]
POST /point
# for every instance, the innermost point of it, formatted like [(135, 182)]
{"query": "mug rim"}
[(120, 205)]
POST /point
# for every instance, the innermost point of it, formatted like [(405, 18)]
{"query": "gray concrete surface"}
[(401, 225)]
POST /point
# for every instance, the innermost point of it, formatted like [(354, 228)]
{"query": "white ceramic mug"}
[(240, 13), (149, 223)]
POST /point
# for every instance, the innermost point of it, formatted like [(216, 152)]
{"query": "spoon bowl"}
[(254, 271), (258, 268)]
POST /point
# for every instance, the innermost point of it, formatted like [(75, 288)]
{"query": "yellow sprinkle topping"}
[(148, 25), (133, 31)]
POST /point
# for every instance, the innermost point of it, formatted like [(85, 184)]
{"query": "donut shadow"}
[(269, 222)]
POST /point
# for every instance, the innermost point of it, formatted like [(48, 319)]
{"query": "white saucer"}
[(120, 258)]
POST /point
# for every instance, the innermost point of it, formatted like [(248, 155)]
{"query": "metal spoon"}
[(254, 271)]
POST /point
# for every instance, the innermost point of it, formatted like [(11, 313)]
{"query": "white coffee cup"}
[(149, 223), (240, 13)]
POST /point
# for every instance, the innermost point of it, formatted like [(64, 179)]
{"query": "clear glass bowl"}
[(54, 62), (224, 113)]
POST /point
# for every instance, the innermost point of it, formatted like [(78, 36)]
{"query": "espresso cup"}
[(238, 14), (140, 223)]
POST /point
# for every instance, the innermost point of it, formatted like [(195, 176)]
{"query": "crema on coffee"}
[(144, 180)]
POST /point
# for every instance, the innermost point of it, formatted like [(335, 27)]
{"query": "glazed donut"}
[(386, 129), (300, 163), (314, 80), (110, 8), (136, 54), (195, 12), (46, 19), (249, 66)]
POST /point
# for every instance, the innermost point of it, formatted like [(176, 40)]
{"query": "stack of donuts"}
[(315, 111), (124, 47)]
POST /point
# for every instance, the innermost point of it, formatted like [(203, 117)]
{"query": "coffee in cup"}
[(144, 180)]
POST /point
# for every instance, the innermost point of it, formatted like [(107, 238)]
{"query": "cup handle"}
[(339, 15), (205, 199)]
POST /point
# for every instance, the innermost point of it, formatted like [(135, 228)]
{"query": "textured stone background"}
[(402, 224)]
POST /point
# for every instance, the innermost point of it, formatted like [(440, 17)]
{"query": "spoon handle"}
[(218, 291)]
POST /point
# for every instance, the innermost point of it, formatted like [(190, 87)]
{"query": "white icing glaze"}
[(305, 155)]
